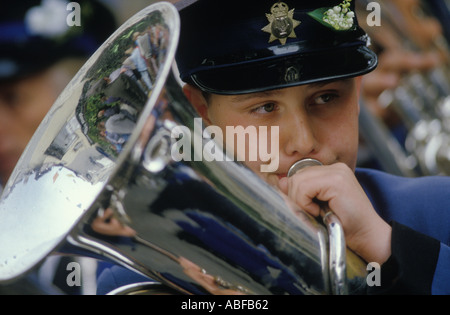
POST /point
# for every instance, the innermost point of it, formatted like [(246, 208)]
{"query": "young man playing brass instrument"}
[(297, 66), (270, 63)]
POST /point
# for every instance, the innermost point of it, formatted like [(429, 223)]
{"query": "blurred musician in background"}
[(409, 90)]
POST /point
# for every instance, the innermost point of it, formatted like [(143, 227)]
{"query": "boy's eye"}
[(269, 107), (324, 98), (266, 108)]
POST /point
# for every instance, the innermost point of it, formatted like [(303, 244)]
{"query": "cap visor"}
[(286, 71)]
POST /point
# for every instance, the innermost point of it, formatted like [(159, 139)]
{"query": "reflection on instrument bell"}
[(97, 179)]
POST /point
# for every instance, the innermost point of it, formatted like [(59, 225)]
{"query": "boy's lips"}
[(280, 176)]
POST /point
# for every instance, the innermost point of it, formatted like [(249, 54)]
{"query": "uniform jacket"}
[(419, 211)]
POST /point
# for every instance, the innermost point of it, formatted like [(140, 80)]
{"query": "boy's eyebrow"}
[(244, 97), (323, 83)]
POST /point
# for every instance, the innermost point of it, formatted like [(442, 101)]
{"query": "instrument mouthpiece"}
[(302, 164)]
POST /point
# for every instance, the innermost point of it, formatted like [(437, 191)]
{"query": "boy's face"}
[(317, 121)]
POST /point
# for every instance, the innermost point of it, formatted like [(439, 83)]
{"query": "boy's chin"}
[(271, 178)]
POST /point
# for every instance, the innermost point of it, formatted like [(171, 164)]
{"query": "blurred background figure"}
[(405, 119), (42, 46), (39, 55)]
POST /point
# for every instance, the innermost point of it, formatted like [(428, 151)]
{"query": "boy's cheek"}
[(283, 185)]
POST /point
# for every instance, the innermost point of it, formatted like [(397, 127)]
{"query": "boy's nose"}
[(299, 136)]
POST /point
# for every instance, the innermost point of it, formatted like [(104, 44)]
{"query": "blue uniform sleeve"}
[(411, 267), (419, 211), (441, 281)]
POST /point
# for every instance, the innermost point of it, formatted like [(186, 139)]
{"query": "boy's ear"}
[(358, 81), (196, 98)]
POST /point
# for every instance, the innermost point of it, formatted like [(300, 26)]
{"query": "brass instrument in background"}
[(421, 101), (97, 179)]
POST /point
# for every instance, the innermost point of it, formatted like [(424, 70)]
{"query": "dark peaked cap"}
[(223, 48)]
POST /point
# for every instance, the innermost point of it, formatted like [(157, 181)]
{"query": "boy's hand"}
[(365, 232)]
